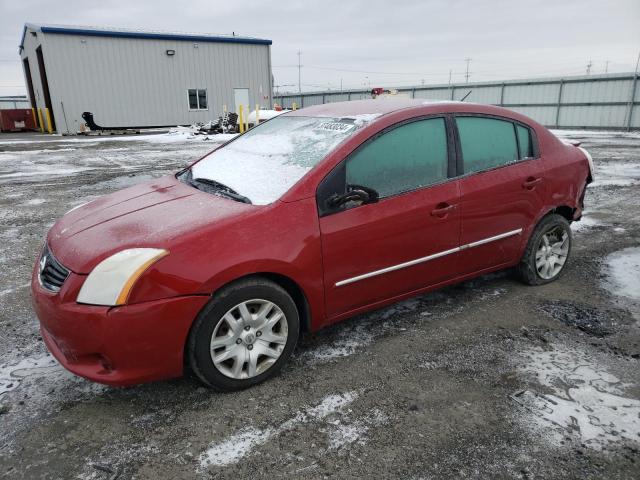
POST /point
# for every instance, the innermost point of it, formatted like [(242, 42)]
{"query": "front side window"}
[(486, 143), (197, 99), (263, 163), (408, 157)]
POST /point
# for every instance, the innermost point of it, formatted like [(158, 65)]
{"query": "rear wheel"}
[(547, 252), (244, 335)]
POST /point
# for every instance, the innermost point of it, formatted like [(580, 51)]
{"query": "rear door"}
[(501, 189), (407, 239)]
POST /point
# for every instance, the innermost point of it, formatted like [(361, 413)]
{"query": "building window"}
[(197, 99)]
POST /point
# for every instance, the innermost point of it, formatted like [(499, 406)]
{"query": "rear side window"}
[(524, 141), (411, 156), (486, 143)]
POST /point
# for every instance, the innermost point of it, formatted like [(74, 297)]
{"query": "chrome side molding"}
[(410, 263)]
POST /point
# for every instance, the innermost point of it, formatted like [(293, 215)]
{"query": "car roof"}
[(375, 109), (380, 106)]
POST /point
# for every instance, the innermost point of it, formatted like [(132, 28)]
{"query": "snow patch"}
[(348, 342), (35, 201), (364, 118), (586, 403), (623, 268), (264, 115), (7, 291), (617, 174), (239, 445), (605, 134), (11, 374), (346, 433), (585, 223)]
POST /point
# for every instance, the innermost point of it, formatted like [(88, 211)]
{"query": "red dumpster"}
[(16, 120)]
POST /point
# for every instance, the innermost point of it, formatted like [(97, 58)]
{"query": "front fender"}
[(310, 283)]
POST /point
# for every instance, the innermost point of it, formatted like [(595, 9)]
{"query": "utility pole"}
[(606, 67), (299, 74), (450, 71), (466, 75), (589, 65), (340, 84)]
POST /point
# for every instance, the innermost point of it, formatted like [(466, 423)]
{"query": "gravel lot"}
[(486, 379)]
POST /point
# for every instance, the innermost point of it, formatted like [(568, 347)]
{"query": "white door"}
[(241, 97)]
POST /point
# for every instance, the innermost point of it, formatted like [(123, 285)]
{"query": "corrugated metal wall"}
[(10, 103), (133, 82), (594, 101)]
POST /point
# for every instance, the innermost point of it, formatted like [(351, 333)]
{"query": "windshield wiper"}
[(220, 188)]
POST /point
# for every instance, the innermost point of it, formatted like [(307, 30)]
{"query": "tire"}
[(244, 341), (533, 268)]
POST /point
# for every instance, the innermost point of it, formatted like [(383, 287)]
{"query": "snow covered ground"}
[(471, 381)]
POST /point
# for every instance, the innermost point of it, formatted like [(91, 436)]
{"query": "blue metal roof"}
[(99, 32)]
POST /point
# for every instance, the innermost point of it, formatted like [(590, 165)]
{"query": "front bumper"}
[(116, 346)]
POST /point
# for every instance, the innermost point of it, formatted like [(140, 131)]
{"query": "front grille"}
[(52, 273)]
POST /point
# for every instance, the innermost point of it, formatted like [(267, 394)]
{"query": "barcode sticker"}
[(335, 126)]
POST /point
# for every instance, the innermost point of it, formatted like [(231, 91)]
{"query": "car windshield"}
[(265, 162)]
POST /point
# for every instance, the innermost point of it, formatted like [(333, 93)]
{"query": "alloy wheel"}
[(249, 339), (552, 252)]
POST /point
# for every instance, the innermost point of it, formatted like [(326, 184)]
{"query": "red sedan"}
[(309, 218)]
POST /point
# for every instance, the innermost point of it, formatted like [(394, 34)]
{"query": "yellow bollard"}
[(240, 119), (35, 120), (40, 124), (257, 115), (246, 119), (48, 115), (294, 106)]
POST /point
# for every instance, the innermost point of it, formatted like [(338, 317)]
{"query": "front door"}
[(241, 97), (407, 239), (501, 190)]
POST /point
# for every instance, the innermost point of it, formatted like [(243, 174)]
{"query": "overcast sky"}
[(371, 43)]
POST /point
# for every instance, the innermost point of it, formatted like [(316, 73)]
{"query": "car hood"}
[(159, 213)]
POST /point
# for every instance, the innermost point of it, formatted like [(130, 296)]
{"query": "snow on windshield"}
[(269, 159)]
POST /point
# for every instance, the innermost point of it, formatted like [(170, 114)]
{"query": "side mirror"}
[(356, 193)]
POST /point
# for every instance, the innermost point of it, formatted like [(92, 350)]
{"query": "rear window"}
[(486, 143), (524, 142)]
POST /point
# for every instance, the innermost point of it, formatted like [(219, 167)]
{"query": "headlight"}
[(111, 281)]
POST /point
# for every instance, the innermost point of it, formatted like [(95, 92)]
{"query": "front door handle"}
[(442, 210), (531, 182)]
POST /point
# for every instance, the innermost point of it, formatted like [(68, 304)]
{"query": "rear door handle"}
[(531, 182), (442, 209)]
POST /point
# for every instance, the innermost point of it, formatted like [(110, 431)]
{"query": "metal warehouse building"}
[(129, 78)]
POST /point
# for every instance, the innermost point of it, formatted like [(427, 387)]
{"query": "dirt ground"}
[(487, 379)]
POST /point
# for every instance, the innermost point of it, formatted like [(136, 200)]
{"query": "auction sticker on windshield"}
[(335, 126)]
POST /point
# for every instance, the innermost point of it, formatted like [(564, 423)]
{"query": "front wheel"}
[(244, 335), (547, 252)]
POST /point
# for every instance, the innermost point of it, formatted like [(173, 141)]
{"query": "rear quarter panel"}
[(567, 171)]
